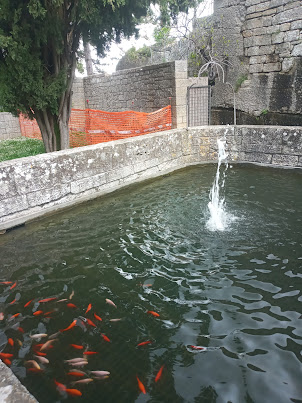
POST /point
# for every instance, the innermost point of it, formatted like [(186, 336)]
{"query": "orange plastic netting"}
[(89, 126)]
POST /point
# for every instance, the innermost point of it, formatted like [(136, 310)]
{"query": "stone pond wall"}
[(33, 186)]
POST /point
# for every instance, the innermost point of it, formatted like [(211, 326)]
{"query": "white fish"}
[(110, 302), (42, 359), (115, 320), (86, 380), (47, 344), (38, 336), (100, 373), (75, 360), (53, 336), (71, 295), (78, 364)]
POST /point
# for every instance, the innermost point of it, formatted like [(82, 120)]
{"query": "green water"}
[(237, 293)]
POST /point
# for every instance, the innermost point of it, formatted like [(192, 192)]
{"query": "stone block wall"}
[(262, 40), (9, 126), (33, 186)]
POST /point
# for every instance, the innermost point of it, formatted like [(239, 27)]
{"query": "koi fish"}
[(114, 320), (11, 303), (41, 354), (71, 295), (73, 360), (38, 336), (90, 352), (14, 316), (6, 282), (13, 286), (78, 374), (60, 386), (5, 355), (43, 360), (7, 362), (37, 313), (76, 346), (47, 345), (28, 303), (63, 300), (105, 337), (32, 363), (158, 376), (46, 314), (153, 313), (108, 301), (1, 315), (144, 343), (73, 392), (70, 305), (70, 326), (47, 299), (90, 323), (19, 342), (197, 347), (88, 308), (20, 329), (97, 317), (100, 374), (10, 342), (82, 381), (79, 363), (54, 336), (141, 385)]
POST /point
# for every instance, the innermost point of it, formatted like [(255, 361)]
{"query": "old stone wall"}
[(9, 126), (34, 186), (262, 40)]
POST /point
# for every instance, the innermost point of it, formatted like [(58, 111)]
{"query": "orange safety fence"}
[(89, 126)]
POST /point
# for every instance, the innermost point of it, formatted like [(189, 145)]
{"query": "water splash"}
[(219, 218)]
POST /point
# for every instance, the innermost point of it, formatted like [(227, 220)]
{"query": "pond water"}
[(229, 302)]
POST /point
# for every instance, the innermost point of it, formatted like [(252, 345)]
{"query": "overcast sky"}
[(117, 51)]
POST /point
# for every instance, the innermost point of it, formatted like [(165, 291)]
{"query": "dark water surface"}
[(237, 293)]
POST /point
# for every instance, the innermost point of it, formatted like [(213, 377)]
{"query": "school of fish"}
[(42, 343)]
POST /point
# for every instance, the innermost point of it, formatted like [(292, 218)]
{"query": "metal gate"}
[(199, 105)]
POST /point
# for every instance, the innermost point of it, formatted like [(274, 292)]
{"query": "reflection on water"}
[(235, 293)]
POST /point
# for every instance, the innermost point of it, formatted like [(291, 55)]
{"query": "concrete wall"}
[(33, 186), (9, 126)]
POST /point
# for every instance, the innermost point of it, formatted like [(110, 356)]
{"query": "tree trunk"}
[(46, 122), (88, 59)]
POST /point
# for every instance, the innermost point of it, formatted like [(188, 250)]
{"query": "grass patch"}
[(21, 147)]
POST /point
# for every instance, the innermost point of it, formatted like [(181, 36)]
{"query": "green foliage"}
[(135, 55), (18, 148), (240, 81), (264, 112)]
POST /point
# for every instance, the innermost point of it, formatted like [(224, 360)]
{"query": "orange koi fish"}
[(15, 316), (70, 305), (60, 386), (153, 313), (90, 352), (73, 392), (1, 315), (47, 299), (37, 313), (10, 342), (76, 346), (41, 354), (5, 355), (158, 376), (13, 286), (105, 337), (11, 303), (6, 282), (88, 308), (78, 374), (47, 345), (34, 370), (20, 329), (28, 303), (7, 361), (97, 317), (90, 323), (144, 343), (141, 385), (70, 326)]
